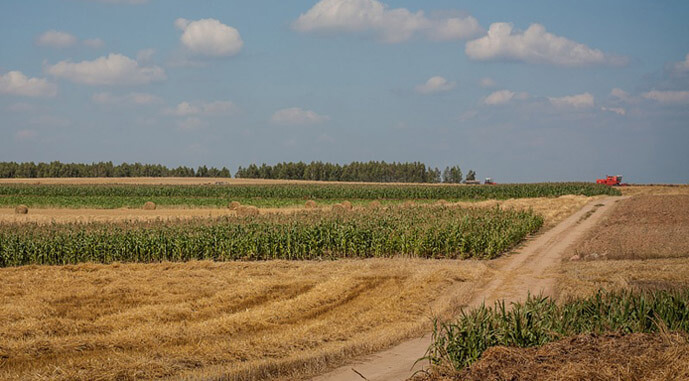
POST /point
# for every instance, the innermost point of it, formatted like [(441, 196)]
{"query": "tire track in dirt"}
[(530, 269)]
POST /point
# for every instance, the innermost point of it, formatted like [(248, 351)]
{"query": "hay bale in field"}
[(339, 208), (150, 205), (347, 205), (247, 211), (374, 205), (234, 205), (310, 204), (21, 209)]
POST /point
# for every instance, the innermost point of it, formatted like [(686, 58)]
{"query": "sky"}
[(523, 91)]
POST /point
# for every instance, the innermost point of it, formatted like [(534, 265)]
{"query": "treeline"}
[(104, 169), (372, 171)]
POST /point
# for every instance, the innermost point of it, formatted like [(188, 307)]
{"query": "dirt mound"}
[(584, 357)]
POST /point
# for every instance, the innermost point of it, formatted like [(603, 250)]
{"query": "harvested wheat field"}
[(233, 320), (553, 210), (641, 227), (636, 356), (578, 279)]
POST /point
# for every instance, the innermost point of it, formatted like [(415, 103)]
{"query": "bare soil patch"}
[(210, 320), (584, 357), (641, 227)]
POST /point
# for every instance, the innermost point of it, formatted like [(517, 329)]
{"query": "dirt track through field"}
[(530, 269)]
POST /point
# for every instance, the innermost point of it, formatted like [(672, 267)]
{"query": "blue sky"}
[(518, 91)]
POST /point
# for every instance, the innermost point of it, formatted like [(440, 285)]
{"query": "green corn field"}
[(539, 320), (118, 196), (426, 232)]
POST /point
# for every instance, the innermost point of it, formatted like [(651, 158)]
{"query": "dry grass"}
[(586, 357), (553, 209), (212, 320), (579, 279), (637, 190), (641, 227)]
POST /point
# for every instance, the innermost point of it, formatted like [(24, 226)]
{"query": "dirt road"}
[(530, 269)]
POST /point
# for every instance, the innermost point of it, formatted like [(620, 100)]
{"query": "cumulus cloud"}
[(503, 96), (435, 85), (16, 83), (667, 96), (209, 37), (386, 24), (487, 82), (535, 45), (56, 39), (622, 95), (577, 101), (115, 69), (131, 98), (616, 110), (297, 116), (204, 108)]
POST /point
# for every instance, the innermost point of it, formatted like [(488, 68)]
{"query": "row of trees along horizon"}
[(372, 171)]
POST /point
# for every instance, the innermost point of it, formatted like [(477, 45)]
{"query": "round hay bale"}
[(234, 205), (347, 205), (21, 209), (310, 204), (247, 211), (339, 208), (150, 205), (375, 204)]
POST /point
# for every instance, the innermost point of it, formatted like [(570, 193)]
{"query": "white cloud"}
[(503, 96), (94, 43), (487, 82), (577, 101), (622, 95), (25, 135), (56, 39), (131, 98), (616, 110), (668, 96), (204, 108), (535, 45), (386, 24), (297, 116), (190, 124), (115, 69), (435, 85), (209, 37), (16, 83)]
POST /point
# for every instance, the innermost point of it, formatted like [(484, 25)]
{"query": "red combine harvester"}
[(614, 181)]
